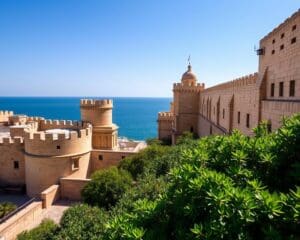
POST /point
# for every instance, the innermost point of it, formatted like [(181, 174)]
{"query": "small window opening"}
[(100, 157), (223, 113), (210, 130), (273, 41), (282, 47), (16, 164), (248, 120), (282, 35), (239, 117), (293, 40), (294, 27), (123, 157), (191, 129), (281, 89), (272, 89), (58, 147), (292, 88), (273, 51), (75, 164)]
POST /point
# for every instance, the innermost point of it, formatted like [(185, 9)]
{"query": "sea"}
[(136, 117)]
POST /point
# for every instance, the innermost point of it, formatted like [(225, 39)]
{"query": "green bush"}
[(6, 208), (46, 230), (82, 222), (106, 187)]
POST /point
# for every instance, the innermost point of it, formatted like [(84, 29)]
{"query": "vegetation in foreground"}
[(6, 208), (219, 187)]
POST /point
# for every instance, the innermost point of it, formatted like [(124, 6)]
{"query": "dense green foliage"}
[(6, 208), (46, 231), (106, 187), (82, 222), (218, 187)]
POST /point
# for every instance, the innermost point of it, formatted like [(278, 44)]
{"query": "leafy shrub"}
[(106, 187), (6, 208), (46, 230), (82, 222)]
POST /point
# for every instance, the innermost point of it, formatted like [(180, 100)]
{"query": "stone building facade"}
[(267, 95), (38, 153)]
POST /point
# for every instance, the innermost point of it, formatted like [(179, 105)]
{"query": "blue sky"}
[(126, 47)]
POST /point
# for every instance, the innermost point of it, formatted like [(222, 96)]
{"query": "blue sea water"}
[(136, 117)]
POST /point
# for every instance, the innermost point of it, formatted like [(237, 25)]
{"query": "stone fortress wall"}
[(268, 95), (40, 153)]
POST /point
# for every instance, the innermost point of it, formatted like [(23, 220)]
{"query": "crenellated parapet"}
[(61, 124), (165, 116), (281, 26), (180, 87), (58, 142), (11, 141), (92, 103), (4, 116), (236, 83)]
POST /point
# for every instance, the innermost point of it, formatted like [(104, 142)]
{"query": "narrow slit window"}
[(282, 47), (248, 120), (282, 35), (223, 113), (272, 89), (239, 117), (281, 89), (273, 41), (292, 88)]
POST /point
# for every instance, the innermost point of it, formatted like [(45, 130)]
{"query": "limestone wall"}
[(71, 188), (282, 59), (12, 163), (23, 220), (165, 125), (50, 195), (227, 105), (109, 158)]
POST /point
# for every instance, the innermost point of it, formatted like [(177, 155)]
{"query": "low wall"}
[(70, 188), (21, 221), (206, 128), (50, 195)]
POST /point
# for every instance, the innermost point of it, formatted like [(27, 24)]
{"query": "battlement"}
[(165, 116), (56, 142), (188, 88), (236, 83), (62, 124), (4, 115), (282, 25), (35, 119), (105, 103), (7, 141)]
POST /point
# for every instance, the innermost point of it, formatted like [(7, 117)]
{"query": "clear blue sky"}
[(128, 48)]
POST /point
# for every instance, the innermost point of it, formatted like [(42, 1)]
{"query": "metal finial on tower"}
[(189, 60)]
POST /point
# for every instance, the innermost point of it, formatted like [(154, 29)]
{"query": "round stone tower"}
[(99, 114)]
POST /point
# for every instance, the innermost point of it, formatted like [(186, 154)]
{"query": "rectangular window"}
[(223, 113), (273, 41), (76, 164), (100, 157), (239, 117), (272, 89), (16, 164), (57, 147), (282, 35), (281, 89), (281, 46), (273, 51), (292, 88), (294, 39), (294, 27), (248, 120)]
